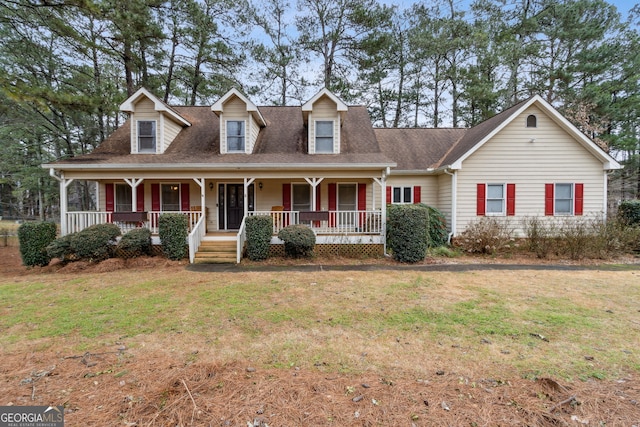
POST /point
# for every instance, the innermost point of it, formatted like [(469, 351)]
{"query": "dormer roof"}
[(307, 108), (128, 106), (218, 106)]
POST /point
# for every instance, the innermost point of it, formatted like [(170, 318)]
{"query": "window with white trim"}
[(563, 199), (235, 136), (495, 199), (170, 197), (146, 136), (402, 195), (123, 198), (324, 136), (301, 197)]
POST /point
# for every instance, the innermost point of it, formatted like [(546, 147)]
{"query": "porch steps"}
[(217, 249)]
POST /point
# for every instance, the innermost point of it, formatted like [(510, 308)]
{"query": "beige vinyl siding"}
[(444, 197), (144, 110), (511, 157), (170, 130), (252, 134), (428, 186), (324, 109), (234, 109)]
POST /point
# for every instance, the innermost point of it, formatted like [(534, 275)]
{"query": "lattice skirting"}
[(360, 250)]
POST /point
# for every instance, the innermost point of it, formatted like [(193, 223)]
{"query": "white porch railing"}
[(339, 222), (77, 221), (195, 238)]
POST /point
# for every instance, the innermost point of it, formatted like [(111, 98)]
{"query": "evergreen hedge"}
[(95, 243), (299, 241), (259, 230), (136, 242), (34, 237), (407, 232), (174, 230), (61, 248), (629, 212)]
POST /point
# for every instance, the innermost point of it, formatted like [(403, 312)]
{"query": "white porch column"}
[(133, 183), (383, 206), (313, 182), (64, 184), (247, 183), (200, 182)]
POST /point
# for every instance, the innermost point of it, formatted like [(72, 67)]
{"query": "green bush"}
[(407, 232), (61, 248), (95, 243), (136, 242), (34, 237), (486, 236), (438, 234), (299, 241), (629, 212), (174, 230), (259, 230)]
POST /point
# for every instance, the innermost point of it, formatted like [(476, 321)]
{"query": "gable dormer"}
[(240, 122), (323, 116), (154, 124)]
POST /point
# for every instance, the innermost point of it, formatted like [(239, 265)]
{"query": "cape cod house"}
[(324, 165)]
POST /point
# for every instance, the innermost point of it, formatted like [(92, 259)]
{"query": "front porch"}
[(330, 227)]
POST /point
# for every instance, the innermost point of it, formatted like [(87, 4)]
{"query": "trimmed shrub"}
[(299, 241), (61, 248), (95, 243), (486, 236), (629, 212), (136, 242), (174, 230), (438, 234), (259, 230), (407, 232), (34, 237)]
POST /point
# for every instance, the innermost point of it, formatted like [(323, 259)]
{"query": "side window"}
[(146, 136), (402, 195), (563, 200), (495, 199)]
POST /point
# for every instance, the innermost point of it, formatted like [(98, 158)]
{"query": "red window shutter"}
[(109, 198), (362, 197), (481, 199), (548, 199), (155, 197), (579, 199), (286, 196), (389, 189), (332, 204), (185, 205), (140, 198), (511, 199), (417, 192), (318, 199)]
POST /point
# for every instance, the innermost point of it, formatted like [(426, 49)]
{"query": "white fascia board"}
[(214, 167), (218, 106), (128, 106), (414, 172), (341, 106)]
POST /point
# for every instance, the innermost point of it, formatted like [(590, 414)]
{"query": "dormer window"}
[(324, 136), (146, 136), (532, 121), (235, 136)]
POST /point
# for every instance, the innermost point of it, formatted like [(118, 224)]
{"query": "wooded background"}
[(67, 65)]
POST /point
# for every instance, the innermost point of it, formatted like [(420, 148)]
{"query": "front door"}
[(234, 206)]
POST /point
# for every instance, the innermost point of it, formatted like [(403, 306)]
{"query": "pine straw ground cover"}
[(147, 343)]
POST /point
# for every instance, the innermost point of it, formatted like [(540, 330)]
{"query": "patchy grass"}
[(540, 323)]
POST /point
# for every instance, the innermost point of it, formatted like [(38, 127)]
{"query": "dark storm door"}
[(235, 205)]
